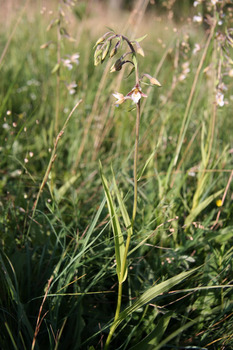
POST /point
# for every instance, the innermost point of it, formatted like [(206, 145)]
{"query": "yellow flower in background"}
[(219, 202)]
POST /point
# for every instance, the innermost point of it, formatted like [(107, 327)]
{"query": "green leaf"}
[(118, 237), (141, 38), (127, 223), (55, 68), (152, 293), (123, 209), (146, 164), (131, 71)]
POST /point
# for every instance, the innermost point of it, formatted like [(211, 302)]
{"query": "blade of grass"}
[(152, 339), (195, 212)]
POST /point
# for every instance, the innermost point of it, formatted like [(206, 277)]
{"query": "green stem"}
[(135, 164), (119, 297), (113, 327)]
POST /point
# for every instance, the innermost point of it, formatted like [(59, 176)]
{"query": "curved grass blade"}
[(152, 339), (195, 212)]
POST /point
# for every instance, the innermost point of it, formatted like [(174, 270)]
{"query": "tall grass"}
[(58, 259)]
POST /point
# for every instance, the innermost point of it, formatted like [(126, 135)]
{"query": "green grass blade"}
[(11, 336), (152, 339), (14, 294), (195, 212)]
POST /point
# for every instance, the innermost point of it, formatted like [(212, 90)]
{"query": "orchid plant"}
[(102, 51)]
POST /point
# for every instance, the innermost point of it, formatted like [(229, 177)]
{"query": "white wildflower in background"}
[(219, 98), (71, 87), (70, 60), (6, 126), (75, 58), (197, 48), (185, 71), (198, 18), (196, 3), (67, 63), (214, 2), (33, 82)]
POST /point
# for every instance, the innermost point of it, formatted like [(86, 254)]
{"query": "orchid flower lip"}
[(135, 95)]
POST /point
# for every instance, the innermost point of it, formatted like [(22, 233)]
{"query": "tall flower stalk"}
[(108, 46)]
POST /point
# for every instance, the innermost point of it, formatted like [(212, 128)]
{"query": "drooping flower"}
[(120, 98), (135, 95)]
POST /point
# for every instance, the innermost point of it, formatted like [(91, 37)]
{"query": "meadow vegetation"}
[(68, 235)]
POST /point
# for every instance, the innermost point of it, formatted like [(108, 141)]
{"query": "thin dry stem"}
[(51, 161), (56, 126), (39, 319)]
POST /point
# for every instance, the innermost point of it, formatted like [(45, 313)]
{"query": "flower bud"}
[(99, 41), (117, 66), (114, 50), (97, 57), (106, 50), (153, 80), (139, 49), (102, 39)]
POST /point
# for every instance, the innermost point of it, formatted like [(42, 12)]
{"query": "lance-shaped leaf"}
[(152, 293), (128, 226), (118, 237)]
